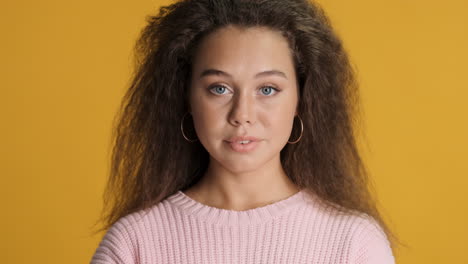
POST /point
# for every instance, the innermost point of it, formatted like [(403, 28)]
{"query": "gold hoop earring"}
[(182, 129), (302, 129)]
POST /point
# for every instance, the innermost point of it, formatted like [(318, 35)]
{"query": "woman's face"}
[(243, 85)]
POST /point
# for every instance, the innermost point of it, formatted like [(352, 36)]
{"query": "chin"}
[(242, 164), (241, 170)]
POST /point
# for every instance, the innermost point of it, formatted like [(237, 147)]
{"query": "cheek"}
[(278, 119), (280, 124), (206, 120)]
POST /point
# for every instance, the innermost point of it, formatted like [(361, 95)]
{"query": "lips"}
[(243, 144), (242, 138)]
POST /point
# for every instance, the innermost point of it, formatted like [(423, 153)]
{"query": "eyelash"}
[(218, 85)]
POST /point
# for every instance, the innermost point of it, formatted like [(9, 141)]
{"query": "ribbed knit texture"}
[(294, 230)]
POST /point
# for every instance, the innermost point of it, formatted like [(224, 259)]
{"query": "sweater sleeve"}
[(115, 247), (372, 246)]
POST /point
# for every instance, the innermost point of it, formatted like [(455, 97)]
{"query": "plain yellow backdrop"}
[(65, 66)]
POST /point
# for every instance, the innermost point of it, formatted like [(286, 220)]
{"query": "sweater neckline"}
[(228, 217)]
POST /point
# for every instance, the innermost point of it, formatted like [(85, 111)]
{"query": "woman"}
[(235, 143)]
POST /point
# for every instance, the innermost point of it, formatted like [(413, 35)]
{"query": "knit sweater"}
[(296, 229)]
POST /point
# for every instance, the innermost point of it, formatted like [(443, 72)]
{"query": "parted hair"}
[(150, 158)]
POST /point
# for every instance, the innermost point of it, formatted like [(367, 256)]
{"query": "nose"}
[(242, 112)]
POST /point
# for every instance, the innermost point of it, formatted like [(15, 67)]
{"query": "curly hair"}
[(150, 158)]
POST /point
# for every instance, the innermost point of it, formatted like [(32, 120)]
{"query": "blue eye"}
[(218, 89), (221, 89), (268, 90)]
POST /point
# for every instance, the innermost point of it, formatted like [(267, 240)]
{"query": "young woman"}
[(235, 143)]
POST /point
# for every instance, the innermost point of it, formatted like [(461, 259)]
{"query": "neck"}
[(245, 190)]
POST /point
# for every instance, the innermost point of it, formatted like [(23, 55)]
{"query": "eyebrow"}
[(216, 72)]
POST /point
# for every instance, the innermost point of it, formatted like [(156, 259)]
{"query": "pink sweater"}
[(294, 230)]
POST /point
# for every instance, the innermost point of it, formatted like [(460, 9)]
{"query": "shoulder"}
[(128, 238), (365, 239), (117, 244), (368, 242), (356, 235)]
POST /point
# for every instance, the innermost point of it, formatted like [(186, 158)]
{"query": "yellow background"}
[(65, 66)]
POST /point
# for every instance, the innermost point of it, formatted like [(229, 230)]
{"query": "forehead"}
[(244, 50)]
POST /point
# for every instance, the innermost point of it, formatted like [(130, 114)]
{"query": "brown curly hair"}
[(150, 158)]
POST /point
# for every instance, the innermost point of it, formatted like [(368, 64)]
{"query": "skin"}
[(240, 103)]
